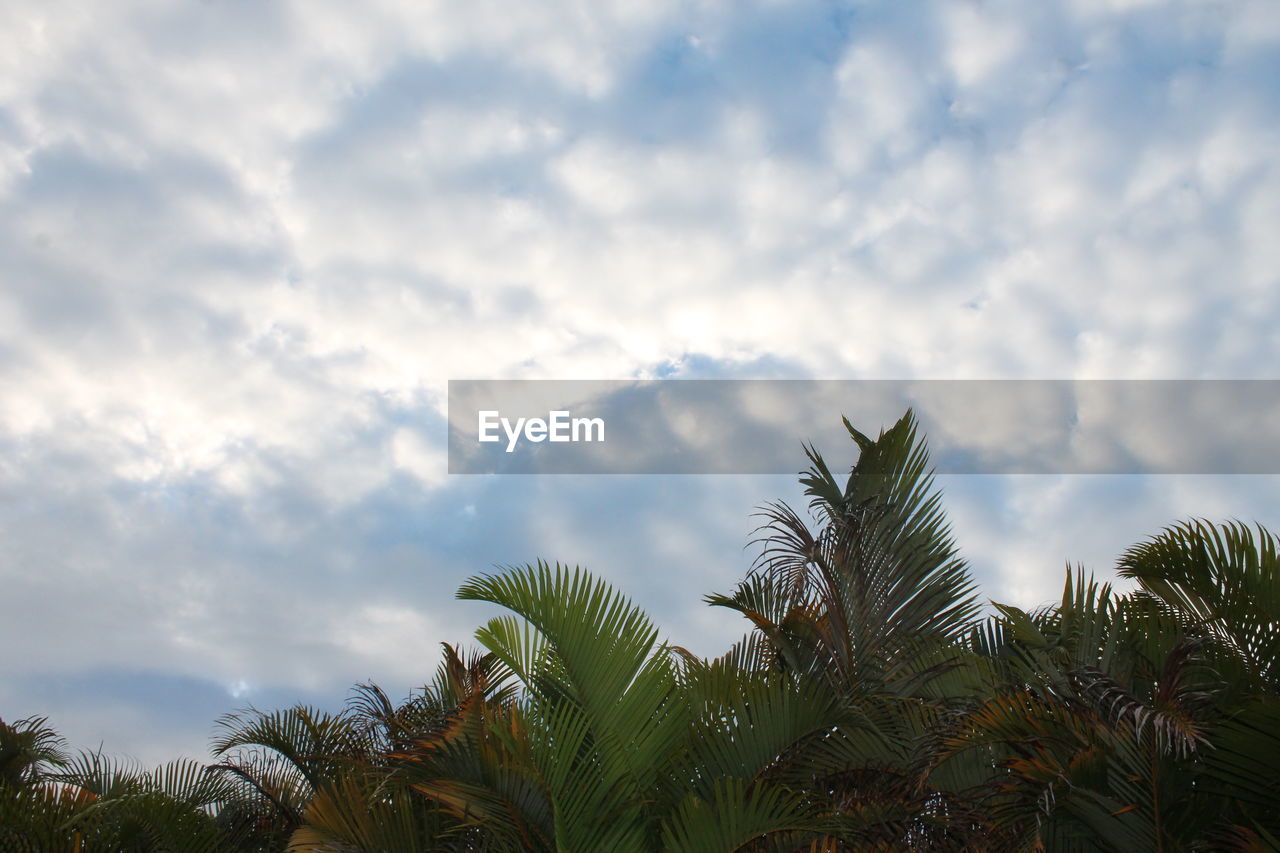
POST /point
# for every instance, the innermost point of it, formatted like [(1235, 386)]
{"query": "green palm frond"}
[(315, 743), (1242, 765), (169, 808), (1223, 580), (879, 580), (479, 768), (745, 726), (601, 697), (733, 814), (358, 812), (29, 748), (35, 818), (600, 653)]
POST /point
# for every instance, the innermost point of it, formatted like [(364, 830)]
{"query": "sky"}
[(244, 244)]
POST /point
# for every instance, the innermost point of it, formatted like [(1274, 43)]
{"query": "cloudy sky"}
[(245, 243)]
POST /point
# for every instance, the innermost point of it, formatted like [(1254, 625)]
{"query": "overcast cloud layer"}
[(244, 245)]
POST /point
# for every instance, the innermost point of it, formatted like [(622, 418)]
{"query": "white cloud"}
[(390, 639), (246, 245), (980, 43)]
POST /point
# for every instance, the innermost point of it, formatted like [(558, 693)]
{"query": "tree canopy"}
[(873, 704)]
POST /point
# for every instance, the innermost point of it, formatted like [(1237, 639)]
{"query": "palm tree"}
[(874, 603), (51, 802), (317, 781), (860, 599), (871, 707), (32, 811), (616, 741), (1143, 721)]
